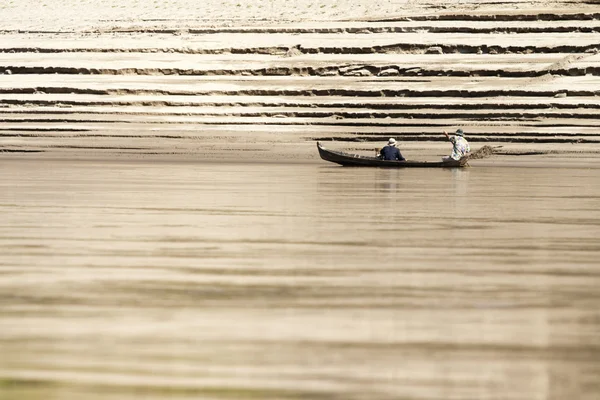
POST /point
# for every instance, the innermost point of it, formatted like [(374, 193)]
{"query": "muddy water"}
[(165, 280)]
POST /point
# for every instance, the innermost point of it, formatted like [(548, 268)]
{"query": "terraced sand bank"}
[(271, 80)]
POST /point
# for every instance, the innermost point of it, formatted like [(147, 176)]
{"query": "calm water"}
[(139, 280)]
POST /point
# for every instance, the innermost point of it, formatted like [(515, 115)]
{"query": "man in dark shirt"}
[(391, 152)]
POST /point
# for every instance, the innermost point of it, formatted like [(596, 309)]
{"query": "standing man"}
[(391, 152), (460, 146)]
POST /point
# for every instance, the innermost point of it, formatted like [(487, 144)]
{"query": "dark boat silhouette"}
[(356, 160)]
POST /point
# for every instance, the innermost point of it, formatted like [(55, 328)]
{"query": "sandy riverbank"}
[(64, 14), (263, 81)]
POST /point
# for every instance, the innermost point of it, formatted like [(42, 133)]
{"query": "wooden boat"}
[(355, 160)]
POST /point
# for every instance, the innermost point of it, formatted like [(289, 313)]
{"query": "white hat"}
[(392, 142)]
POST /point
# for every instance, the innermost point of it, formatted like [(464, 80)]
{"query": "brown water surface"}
[(309, 281)]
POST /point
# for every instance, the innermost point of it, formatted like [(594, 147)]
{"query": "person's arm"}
[(450, 139), (400, 158)]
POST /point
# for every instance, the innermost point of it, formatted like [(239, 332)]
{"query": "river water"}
[(123, 280)]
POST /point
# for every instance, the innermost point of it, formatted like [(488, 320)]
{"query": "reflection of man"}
[(460, 146), (391, 152)]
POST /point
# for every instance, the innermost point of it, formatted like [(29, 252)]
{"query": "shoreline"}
[(308, 155)]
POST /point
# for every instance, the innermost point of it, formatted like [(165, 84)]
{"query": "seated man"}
[(391, 152), (460, 146)]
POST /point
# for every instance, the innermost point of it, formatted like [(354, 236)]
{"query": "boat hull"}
[(355, 160)]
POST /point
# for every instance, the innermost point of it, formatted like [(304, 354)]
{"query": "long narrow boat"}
[(355, 160)]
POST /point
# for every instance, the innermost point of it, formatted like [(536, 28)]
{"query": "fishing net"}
[(483, 152)]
